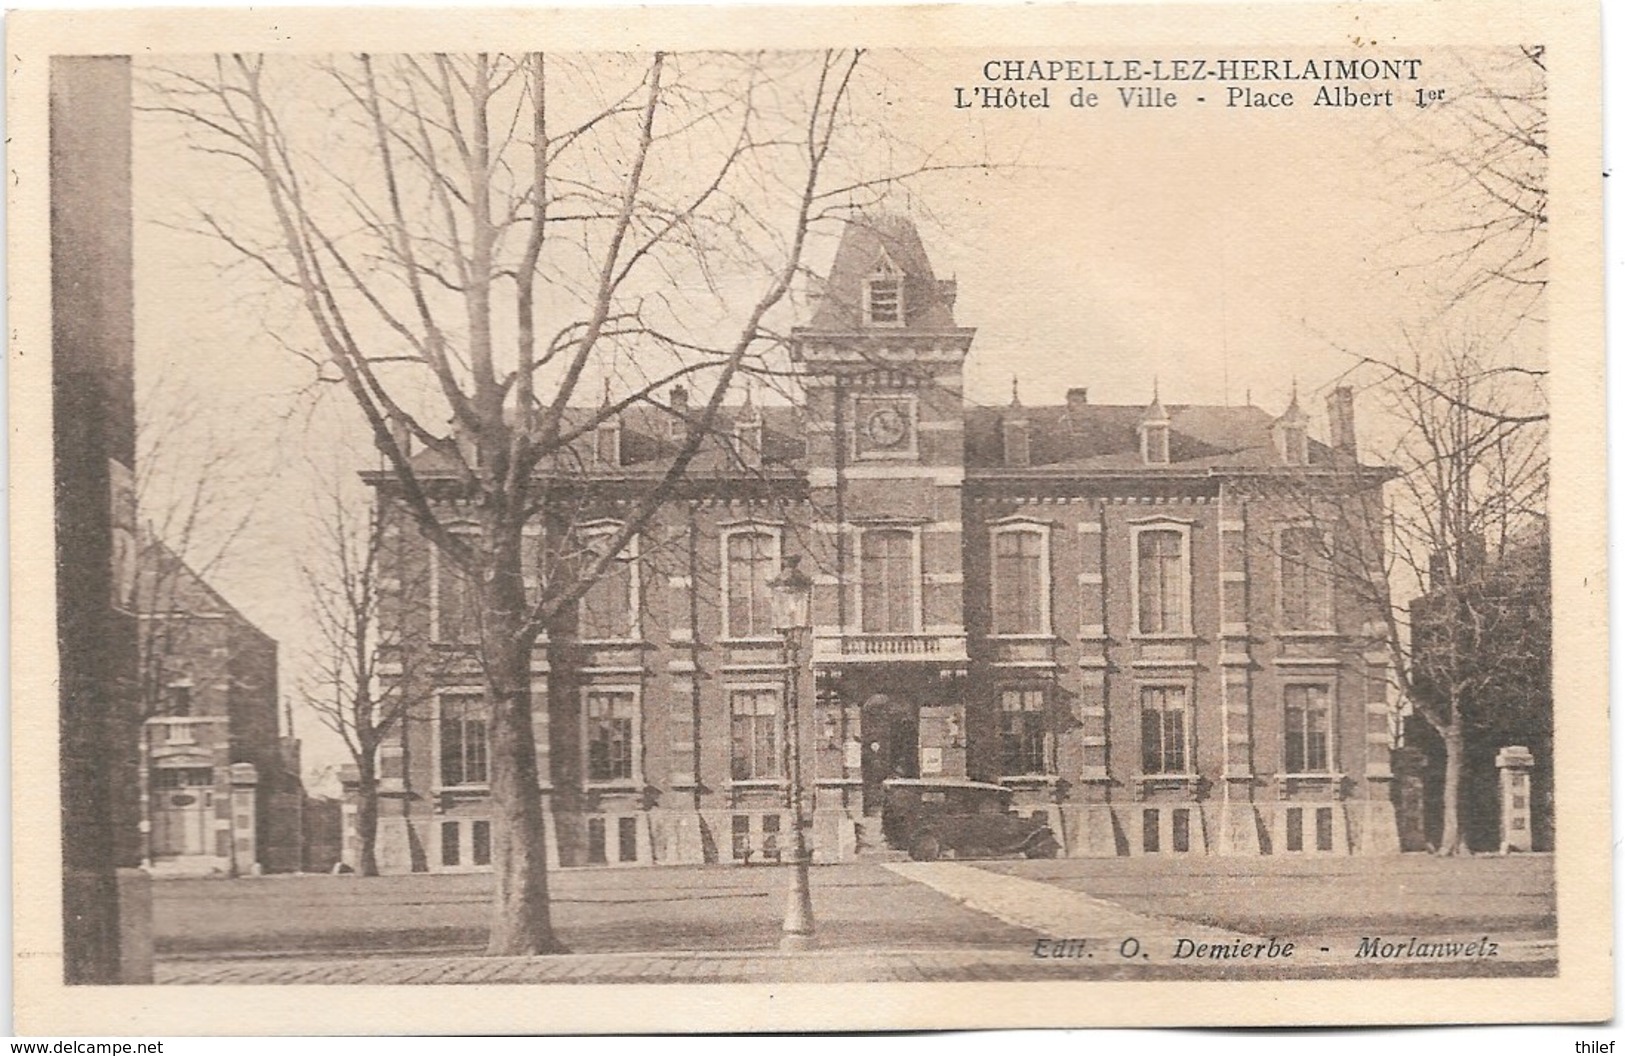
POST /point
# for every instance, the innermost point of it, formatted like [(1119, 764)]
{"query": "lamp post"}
[(791, 593)]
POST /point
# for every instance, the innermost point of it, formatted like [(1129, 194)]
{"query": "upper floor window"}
[(1024, 741), (1308, 729), (608, 611), (456, 603), (1020, 581), (755, 720), (611, 734), (752, 559), (1306, 597), (1164, 721), (178, 699), (464, 754), (1162, 580), (888, 581), (883, 296)]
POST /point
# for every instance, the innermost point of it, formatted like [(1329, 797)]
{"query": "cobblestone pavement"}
[(1084, 938)]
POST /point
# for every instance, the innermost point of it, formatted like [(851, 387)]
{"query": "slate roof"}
[(928, 302), (1098, 436)]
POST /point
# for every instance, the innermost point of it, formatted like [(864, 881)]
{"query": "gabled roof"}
[(167, 585), (866, 241)]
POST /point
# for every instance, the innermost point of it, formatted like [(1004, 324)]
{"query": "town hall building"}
[(1125, 615)]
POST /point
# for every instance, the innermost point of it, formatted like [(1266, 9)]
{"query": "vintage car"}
[(933, 817)]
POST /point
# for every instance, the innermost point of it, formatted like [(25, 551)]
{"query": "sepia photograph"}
[(802, 502)]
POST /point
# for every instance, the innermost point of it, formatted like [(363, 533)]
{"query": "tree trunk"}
[(521, 921), (366, 819), (1451, 840)]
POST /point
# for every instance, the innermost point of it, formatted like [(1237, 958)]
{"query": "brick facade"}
[(1083, 603)]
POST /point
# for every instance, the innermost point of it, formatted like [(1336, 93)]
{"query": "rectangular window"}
[(1308, 729), (752, 561), (770, 836), (179, 701), (1294, 828), (1323, 828), (1151, 831), (888, 582), (1019, 590), (456, 604), (1162, 582), (755, 714), (1182, 830), (611, 723), (482, 843), (1023, 733), (1162, 730), (627, 832), (741, 835), (464, 756), (597, 852), (1306, 603), (606, 609), (451, 843)]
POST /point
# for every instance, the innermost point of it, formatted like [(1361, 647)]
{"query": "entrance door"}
[(891, 746)]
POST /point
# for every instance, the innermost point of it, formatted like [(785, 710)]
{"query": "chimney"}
[(677, 427), (1076, 401), (1340, 413)]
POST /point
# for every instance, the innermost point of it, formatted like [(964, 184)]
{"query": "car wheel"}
[(926, 848)]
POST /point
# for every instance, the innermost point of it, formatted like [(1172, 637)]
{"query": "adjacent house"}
[(220, 788), (1122, 613)]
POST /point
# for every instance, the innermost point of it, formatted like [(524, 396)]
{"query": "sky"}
[(1222, 254)]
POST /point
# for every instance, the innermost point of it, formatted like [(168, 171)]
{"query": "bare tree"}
[(476, 243), (1469, 481), (1476, 160), (366, 676)]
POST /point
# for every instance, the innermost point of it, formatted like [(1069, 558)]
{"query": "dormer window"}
[(1294, 445), (607, 446), (1154, 444), (883, 296)]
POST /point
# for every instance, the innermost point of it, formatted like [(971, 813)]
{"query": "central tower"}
[(882, 363)]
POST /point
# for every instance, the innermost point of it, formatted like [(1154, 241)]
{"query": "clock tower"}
[(882, 363)]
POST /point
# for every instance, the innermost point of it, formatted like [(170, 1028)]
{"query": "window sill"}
[(614, 786), (1029, 780), (1320, 776), (462, 790), (1171, 779), (1308, 634), (621, 643), (746, 784), (753, 639), (1162, 638), (1039, 637)]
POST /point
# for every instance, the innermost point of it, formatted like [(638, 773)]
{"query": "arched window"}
[(1162, 580), (1020, 580), (608, 611), (1306, 597), (750, 560)]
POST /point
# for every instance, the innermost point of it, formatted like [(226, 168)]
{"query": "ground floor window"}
[(1308, 729), (1163, 724), (755, 729), (1023, 736), (611, 719), (482, 843), (627, 830), (597, 852), (451, 843)]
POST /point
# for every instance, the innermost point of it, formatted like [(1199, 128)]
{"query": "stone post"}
[(1514, 763)]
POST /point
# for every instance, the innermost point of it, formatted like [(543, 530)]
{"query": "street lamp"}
[(791, 594)]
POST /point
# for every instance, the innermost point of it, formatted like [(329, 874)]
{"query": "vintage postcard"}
[(745, 518)]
